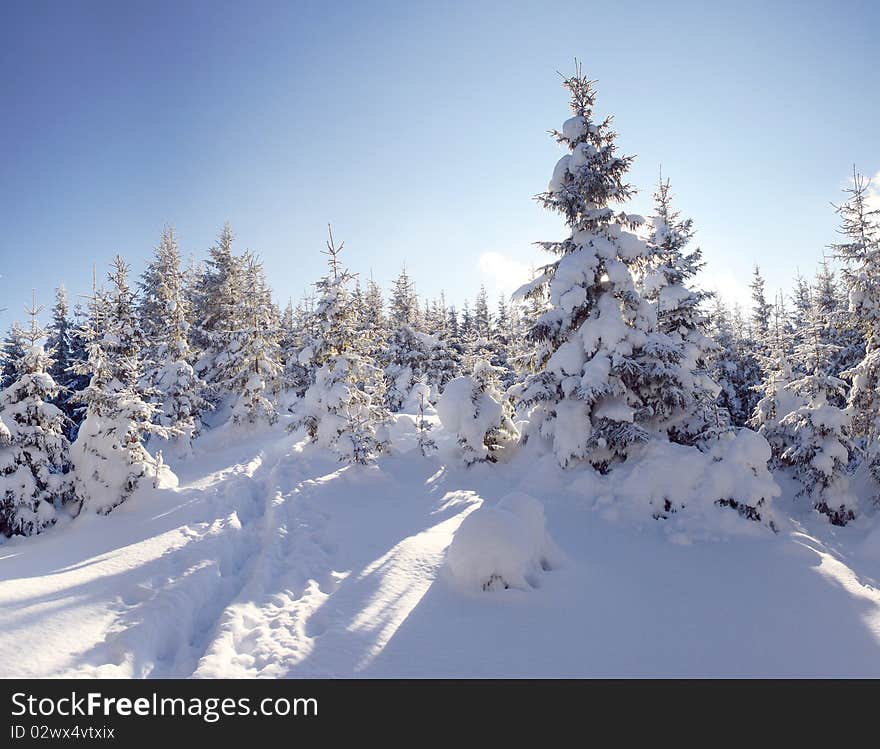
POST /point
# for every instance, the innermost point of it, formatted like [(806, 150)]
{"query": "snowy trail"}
[(274, 561), (315, 608)]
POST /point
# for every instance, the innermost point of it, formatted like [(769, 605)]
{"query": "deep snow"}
[(271, 559)]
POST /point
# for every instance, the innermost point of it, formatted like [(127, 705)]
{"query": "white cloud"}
[(503, 272), (874, 193), (727, 285)]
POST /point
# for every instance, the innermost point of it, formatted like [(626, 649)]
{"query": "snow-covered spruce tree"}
[(684, 402), (294, 377), (523, 353), (465, 324), (12, 349), (217, 313), (817, 433), (164, 315), (860, 226), (776, 401), (442, 363), (253, 372), (503, 335), (403, 307), (405, 354), (482, 315), (372, 320), (802, 303), (109, 458), (583, 397), (344, 408), (65, 350), (472, 408), (434, 317), (759, 321), (60, 346), (427, 444), (441, 360), (296, 357), (733, 365), (34, 451), (478, 339), (841, 326)]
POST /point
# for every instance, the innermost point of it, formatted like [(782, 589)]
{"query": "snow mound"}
[(505, 546), (703, 495)]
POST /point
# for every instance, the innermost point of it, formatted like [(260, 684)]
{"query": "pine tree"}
[(860, 226), (406, 353), (840, 326), (109, 457), (777, 401), (164, 315), (298, 372), (761, 309), (427, 444), (466, 324), (503, 335), (13, 349), (344, 409), (218, 309), (818, 443), (254, 373), (734, 365), (62, 346), (482, 315), (403, 307), (583, 398), (472, 408), (802, 303), (683, 397), (34, 451), (407, 362)]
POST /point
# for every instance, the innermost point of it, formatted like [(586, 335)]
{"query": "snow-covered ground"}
[(271, 559)]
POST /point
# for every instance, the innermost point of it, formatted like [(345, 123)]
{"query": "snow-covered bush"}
[(472, 408), (421, 394), (502, 546), (695, 493), (110, 461)]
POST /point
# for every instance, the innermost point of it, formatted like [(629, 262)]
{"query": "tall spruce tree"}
[(344, 408), (218, 307), (62, 346), (253, 373), (583, 397), (860, 251), (817, 433), (684, 402), (759, 322), (165, 319), (734, 365), (109, 457), (34, 451)]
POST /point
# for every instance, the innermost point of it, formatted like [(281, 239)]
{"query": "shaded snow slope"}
[(273, 560)]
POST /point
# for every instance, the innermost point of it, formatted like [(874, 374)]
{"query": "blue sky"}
[(419, 129)]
